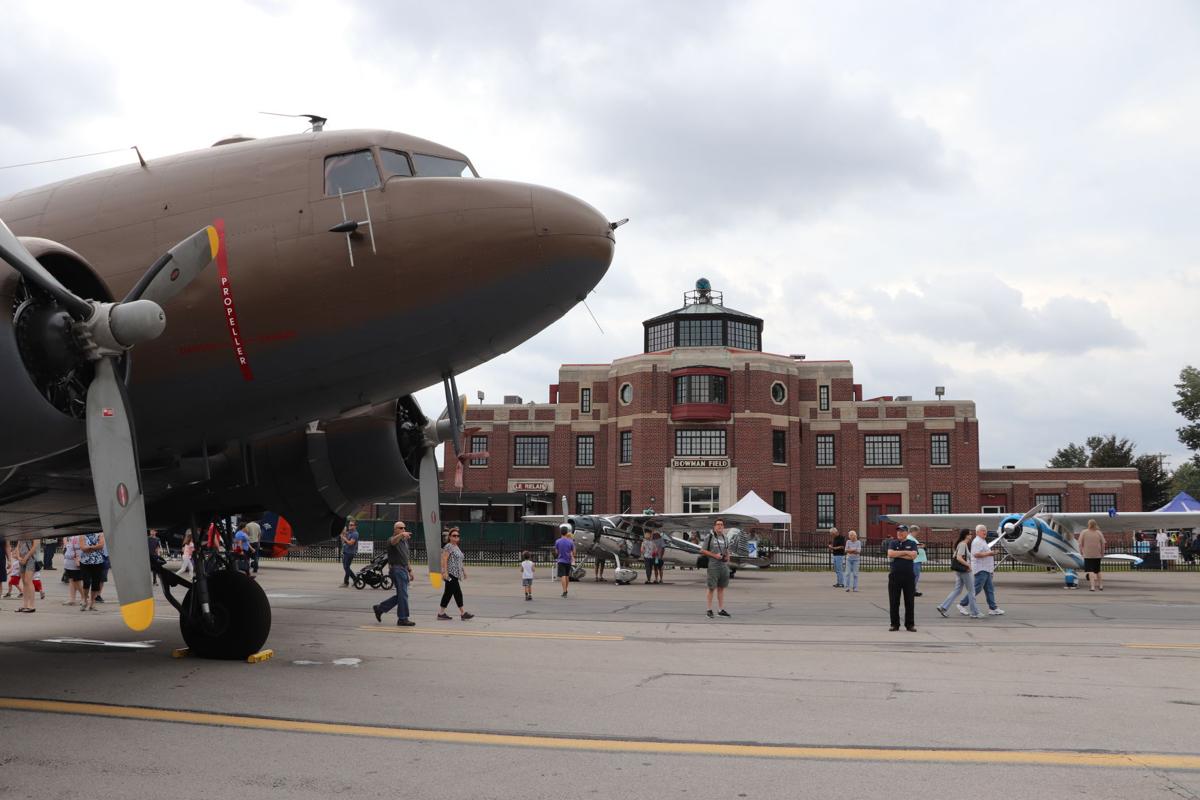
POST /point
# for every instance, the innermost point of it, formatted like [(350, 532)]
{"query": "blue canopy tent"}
[(1182, 502)]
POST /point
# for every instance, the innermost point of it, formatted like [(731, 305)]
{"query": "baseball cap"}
[(901, 527)]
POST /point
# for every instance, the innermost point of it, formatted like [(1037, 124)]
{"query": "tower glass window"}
[(701, 332), (660, 337), (743, 335)]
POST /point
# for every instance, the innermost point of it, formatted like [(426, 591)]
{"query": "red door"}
[(877, 506)]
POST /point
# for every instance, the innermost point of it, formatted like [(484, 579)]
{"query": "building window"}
[(531, 451), (743, 335), (660, 337), (779, 447), (939, 449), (1052, 503), (584, 503), (585, 451), (701, 499), (825, 510), (625, 394), (941, 502), (625, 452), (701, 332), (478, 445), (882, 450), (625, 502), (699, 443), (1101, 503), (779, 501), (825, 450), (822, 398), (778, 393), (585, 401), (700, 389)]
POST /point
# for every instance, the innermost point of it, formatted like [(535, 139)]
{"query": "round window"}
[(626, 394), (778, 392)]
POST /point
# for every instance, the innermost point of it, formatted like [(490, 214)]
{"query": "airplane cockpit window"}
[(350, 172), (394, 163), (439, 167)]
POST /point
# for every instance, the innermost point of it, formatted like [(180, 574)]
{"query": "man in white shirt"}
[(983, 564)]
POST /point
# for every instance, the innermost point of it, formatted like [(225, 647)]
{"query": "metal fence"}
[(501, 544)]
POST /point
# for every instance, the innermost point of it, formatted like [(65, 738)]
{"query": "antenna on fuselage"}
[(317, 121)]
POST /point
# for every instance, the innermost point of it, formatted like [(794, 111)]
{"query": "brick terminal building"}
[(703, 415)]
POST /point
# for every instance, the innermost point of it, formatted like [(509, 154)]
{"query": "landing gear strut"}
[(224, 614)]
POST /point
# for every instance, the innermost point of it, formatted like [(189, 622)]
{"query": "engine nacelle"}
[(315, 477), (43, 390)]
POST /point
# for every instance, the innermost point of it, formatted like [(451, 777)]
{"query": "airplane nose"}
[(557, 213)]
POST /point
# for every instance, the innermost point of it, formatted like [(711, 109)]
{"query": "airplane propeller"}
[(1018, 524), (449, 426), (105, 332)]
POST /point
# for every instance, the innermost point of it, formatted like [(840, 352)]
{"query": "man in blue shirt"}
[(349, 540), (564, 546), (902, 580), (241, 550)]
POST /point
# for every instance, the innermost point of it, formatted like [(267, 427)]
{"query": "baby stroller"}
[(377, 575)]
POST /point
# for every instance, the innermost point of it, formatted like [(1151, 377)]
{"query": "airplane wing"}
[(1126, 520), (947, 521), (681, 522), (543, 519)]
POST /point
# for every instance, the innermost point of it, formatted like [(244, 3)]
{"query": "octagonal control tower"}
[(704, 321)]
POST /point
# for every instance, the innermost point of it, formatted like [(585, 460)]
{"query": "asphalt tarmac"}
[(619, 692)]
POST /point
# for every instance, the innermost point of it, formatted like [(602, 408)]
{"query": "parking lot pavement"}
[(625, 688)]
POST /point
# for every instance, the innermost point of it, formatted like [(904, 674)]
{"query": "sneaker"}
[(942, 611), (838, 585), (528, 597), (43, 595), (99, 599), (963, 610), (976, 616), (443, 616), (709, 613), (723, 613), (564, 594), (378, 613), (467, 615), (405, 623), (847, 590), (996, 612), (894, 628)]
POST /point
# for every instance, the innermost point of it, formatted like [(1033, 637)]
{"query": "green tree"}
[(1186, 479), (1108, 451), (1156, 482), (1188, 405), (1071, 456)]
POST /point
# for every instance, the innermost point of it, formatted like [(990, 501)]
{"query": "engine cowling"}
[(316, 476), (44, 382)]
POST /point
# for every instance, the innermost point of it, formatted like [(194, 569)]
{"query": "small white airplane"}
[(619, 536), (1048, 538)]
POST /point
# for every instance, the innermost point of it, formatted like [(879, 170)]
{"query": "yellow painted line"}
[(1163, 646), (578, 637), (1056, 758)]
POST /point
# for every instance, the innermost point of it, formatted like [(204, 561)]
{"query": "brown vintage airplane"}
[(353, 268)]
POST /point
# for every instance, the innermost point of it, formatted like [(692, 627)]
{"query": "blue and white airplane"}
[(1048, 538)]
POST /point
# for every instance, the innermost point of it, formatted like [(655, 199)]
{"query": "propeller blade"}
[(431, 517), (12, 251), (118, 486), (178, 267)]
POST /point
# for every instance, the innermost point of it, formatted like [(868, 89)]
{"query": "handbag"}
[(957, 565)]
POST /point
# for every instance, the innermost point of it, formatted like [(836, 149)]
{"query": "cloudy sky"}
[(998, 198)]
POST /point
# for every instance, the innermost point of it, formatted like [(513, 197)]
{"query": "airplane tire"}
[(386, 583), (242, 614)]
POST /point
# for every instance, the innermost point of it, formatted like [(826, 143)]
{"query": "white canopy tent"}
[(754, 506)]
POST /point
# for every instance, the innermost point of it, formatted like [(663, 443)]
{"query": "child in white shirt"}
[(527, 574)]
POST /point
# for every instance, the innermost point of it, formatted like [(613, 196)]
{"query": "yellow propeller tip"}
[(139, 615), (214, 241)]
